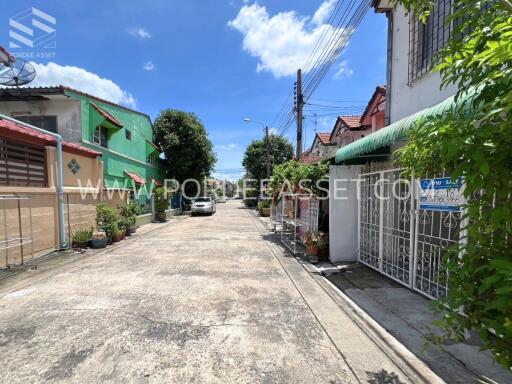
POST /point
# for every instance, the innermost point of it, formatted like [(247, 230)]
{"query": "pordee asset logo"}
[(33, 28)]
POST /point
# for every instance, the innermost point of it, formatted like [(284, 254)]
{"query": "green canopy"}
[(395, 132)]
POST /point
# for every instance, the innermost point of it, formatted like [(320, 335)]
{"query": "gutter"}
[(60, 187)]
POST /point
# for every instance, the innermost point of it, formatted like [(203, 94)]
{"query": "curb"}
[(403, 358), (411, 365)]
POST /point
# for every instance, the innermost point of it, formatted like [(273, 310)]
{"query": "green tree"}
[(185, 143), (255, 157), (474, 141)]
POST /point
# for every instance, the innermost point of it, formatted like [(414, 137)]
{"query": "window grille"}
[(426, 39), (48, 123), (22, 164)]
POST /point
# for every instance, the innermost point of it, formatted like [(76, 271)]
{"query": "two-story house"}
[(384, 233), (122, 135)]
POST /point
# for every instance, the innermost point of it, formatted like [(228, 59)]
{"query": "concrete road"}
[(203, 299)]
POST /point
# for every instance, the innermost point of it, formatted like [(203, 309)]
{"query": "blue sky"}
[(186, 54)]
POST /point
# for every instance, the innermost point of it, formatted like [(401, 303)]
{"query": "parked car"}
[(203, 205), (222, 199)]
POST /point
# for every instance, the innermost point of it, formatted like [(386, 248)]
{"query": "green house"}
[(124, 136)]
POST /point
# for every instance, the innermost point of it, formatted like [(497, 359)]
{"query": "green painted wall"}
[(121, 154)]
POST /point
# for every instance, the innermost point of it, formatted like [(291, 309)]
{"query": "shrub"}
[(106, 218), (161, 198), (82, 235)]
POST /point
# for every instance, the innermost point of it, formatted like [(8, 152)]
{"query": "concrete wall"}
[(89, 175), (67, 112), (406, 99), (343, 222)]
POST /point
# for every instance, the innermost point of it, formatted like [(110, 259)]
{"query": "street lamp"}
[(267, 142)]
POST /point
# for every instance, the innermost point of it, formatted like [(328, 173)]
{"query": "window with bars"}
[(48, 123), (426, 39), (22, 164)]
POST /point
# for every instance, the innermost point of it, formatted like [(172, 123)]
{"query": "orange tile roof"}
[(107, 115), (324, 137), (138, 179), (309, 159), (353, 122)]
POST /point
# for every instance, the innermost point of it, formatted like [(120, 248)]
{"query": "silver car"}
[(203, 205)]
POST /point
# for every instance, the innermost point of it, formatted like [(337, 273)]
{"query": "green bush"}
[(82, 235), (106, 218), (161, 199)]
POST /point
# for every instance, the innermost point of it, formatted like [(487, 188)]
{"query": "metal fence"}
[(401, 238)]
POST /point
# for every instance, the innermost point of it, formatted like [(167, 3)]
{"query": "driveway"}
[(202, 299)]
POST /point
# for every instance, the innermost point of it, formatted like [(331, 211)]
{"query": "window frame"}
[(100, 136), (28, 119)]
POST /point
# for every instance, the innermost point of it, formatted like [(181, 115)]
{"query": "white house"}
[(393, 234)]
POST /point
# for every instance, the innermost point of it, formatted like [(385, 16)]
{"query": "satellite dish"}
[(16, 72)]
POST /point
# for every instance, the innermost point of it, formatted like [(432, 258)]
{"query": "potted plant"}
[(264, 208), (118, 235), (106, 218), (98, 239), (161, 199), (81, 238), (311, 240), (121, 226), (130, 212), (323, 245), (125, 224)]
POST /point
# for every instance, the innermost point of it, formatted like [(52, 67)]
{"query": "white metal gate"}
[(385, 224), (399, 239)]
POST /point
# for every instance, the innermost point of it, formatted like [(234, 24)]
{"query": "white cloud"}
[(53, 74), (323, 12), (343, 71), (149, 66), (229, 147), (141, 32), (282, 42)]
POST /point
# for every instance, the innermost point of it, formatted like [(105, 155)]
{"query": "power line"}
[(327, 49)]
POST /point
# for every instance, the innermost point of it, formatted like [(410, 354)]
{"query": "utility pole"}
[(267, 144), (299, 106)]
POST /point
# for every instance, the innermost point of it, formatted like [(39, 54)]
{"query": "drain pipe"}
[(60, 187)]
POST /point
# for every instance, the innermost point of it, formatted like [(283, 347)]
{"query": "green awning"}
[(395, 132)]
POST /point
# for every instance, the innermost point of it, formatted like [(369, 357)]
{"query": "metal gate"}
[(386, 223), (401, 240)]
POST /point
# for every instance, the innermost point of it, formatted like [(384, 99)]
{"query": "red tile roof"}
[(309, 159), (23, 133), (353, 122), (324, 137), (107, 115), (138, 179)]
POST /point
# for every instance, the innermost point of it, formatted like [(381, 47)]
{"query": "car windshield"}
[(203, 200)]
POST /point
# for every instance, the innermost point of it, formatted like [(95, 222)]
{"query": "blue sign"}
[(441, 194)]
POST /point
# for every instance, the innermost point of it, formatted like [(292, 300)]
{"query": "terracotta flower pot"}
[(123, 236), (117, 237), (312, 250)]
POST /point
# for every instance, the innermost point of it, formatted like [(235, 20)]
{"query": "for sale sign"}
[(441, 194)]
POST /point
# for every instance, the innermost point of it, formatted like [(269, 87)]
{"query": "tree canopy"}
[(281, 150), (473, 141), (185, 143)]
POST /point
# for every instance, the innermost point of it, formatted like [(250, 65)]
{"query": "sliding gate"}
[(401, 238)]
